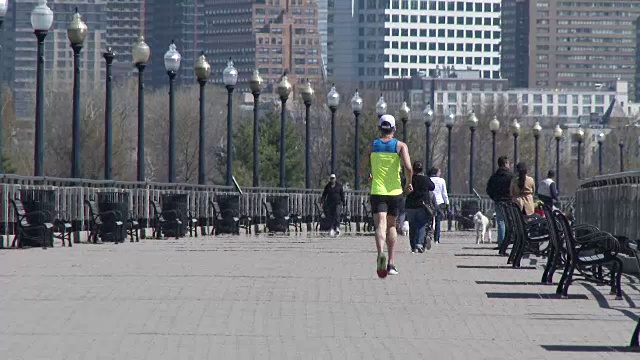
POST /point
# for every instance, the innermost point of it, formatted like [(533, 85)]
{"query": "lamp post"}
[(41, 20), (621, 146), (230, 78), (536, 136), (109, 56), (600, 142), (172, 65), (381, 107), (356, 106), (255, 84), (202, 71), (557, 134), (515, 130), (427, 115), (448, 121), (404, 117), (284, 89), (473, 124), (494, 126), (333, 99), (3, 11), (579, 139), (140, 54), (307, 98), (77, 33)]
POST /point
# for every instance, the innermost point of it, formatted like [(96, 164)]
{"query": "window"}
[(586, 99), (537, 99)]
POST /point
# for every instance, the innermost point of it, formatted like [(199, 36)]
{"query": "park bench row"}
[(583, 251)]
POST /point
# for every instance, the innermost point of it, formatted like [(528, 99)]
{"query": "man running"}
[(386, 153)]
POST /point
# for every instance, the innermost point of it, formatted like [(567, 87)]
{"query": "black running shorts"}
[(386, 203)]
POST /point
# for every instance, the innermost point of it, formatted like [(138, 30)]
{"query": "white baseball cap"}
[(332, 176), (387, 122)]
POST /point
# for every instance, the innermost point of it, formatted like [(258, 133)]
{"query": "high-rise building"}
[(124, 22), (20, 46), (515, 42), (322, 28), (399, 37), (573, 44), (179, 21), (342, 42), (271, 35)]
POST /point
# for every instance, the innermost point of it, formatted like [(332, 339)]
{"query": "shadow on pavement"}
[(516, 296), (590, 348)]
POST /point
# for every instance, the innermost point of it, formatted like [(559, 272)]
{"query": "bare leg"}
[(380, 221), (392, 236)]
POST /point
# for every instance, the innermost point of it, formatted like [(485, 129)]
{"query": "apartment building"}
[(270, 35), (578, 44), (392, 38), (124, 23)]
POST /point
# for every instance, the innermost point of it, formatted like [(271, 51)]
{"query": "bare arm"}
[(406, 162)]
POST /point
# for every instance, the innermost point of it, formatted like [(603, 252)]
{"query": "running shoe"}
[(332, 233), (382, 266), (391, 270)]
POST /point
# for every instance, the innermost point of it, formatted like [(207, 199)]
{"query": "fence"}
[(612, 203), (67, 196)]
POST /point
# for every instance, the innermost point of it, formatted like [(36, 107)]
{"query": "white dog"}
[(482, 227), (405, 228)]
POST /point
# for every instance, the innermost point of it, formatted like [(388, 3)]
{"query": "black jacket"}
[(333, 195), (499, 185), (421, 186)]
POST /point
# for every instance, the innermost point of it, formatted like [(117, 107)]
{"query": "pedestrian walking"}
[(522, 190), (420, 210), (548, 191), (442, 200), (386, 154), (498, 189), (332, 201)]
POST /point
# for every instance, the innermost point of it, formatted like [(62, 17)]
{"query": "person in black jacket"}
[(415, 209), (498, 190), (333, 199)]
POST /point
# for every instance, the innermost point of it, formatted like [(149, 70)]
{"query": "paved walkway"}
[(295, 298)]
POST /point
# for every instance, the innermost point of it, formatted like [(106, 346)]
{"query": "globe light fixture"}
[(333, 98), (256, 82), (494, 124), (230, 74), (473, 120), (427, 115), (515, 127), (77, 30), (356, 102), (172, 59), (536, 129), (557, 132), (140, 51), (41, 17), (600, 138), (381, 106)]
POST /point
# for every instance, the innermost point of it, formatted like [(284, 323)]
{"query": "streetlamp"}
[(473, 124), (494, 126), (333, 99), (202, 71), (536, 135), (255, 84), (448, 121), (307, 98), (600, 142), (41, 20), (557, 134), (404, 117), (172, 65), (356, 106), (77, 33), (284, 89), (109, 56), (3, 11), (230, 78), (580, 139), (381, 106), (427, 115), (140, 54), (515, 130), (621, 145)]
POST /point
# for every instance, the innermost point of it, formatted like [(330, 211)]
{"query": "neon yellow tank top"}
[(385, 168)]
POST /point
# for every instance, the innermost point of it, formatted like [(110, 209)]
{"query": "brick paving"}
[(299, 297)]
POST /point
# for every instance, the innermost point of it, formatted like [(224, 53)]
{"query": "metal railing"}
[(612, 203), (69, 196)]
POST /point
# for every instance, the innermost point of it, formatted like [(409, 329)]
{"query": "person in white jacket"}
[(442, 199)]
